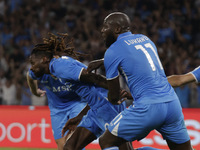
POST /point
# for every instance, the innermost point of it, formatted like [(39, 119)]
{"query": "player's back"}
[(139, 63)]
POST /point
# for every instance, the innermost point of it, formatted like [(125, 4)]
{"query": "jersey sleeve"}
[(67, 68), (196, 74), (111, 63)]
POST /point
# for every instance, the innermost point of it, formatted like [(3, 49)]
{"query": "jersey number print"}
[(148, 45)]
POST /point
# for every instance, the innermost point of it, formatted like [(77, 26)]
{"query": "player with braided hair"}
[(59, 61), (63, 103)]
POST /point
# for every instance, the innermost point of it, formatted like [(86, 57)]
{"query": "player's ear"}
[(118, 30), (45, 60)]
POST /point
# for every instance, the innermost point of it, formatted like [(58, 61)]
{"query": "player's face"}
[(108, 33), (38, 66)]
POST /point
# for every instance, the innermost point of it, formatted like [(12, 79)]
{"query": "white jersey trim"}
[(80, 74), (113, 77), (194, 76)]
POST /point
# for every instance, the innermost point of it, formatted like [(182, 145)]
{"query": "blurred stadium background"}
[(174, 25)]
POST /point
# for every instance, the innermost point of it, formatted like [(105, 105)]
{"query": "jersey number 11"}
[(148, 45)]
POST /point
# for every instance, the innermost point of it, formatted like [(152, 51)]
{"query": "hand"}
[(121, 101), (68, 135), (70, 125), (40, 92), (125, 94), (94, 65)]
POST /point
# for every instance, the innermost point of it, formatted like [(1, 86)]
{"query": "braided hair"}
[(59, 44)]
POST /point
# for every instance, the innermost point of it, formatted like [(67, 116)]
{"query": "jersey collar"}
[(50, 64), (123, 35)]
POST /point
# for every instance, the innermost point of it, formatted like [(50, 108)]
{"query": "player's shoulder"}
[(141, 36), (62, 64), (56, 64), (110, 52), (61, 61)]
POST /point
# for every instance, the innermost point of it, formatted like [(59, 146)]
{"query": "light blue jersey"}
[(63, 103), (68, 70), (135, 57), (156, 105), (196, 74), (59, 96)]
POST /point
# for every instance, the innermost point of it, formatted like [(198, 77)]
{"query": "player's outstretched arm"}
[(97, 79), (33, 85), (179, 80), (93, 65)]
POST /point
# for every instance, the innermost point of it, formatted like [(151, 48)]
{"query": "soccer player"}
[(55, 58), (63, 103), (156, 106), (179, 80)]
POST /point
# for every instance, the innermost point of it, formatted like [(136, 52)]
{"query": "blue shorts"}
[(135, 122), (59, 119), (89, 123), (98, 119)]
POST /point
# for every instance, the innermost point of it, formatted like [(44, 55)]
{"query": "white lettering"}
[(127, 42), (196, 140), (22, 136), (3, 133), (7, 132), (63, 88), (54, 89), (193, 133), (43, 125), (147, 141), (158, 139), (135, 41), (29, 129)]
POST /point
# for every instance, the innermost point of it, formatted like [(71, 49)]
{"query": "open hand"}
[(40, 92)]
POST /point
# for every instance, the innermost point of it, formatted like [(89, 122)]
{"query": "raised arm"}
[(33, 85)]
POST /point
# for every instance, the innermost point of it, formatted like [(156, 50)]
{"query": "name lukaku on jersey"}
[(137, 40)]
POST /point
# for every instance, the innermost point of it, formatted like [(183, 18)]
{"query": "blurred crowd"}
[(174, 26)]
